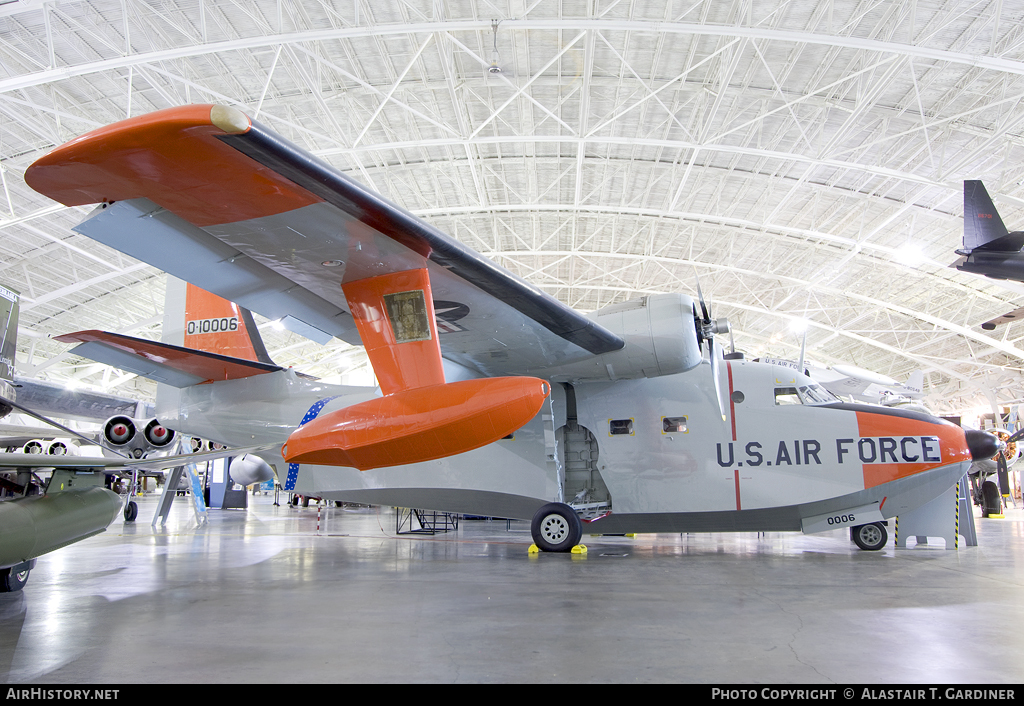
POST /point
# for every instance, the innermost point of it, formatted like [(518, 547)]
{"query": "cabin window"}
[(786, 395), (816, 394), (672, 425), (620, 427)]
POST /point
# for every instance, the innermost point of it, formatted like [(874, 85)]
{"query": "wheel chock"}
[(579, 549), (534, 549), (631, 535), (993, 516)]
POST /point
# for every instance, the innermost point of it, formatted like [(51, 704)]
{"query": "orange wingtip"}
[(173, 158), (421, 424)]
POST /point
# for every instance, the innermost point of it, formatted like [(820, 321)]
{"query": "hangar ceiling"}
[(805, 159)]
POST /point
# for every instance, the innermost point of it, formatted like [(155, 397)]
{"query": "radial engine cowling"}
[(660, 338)]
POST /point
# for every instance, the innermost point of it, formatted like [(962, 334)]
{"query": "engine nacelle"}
[(62, 447), (660, 337), (36, 446), (157, 435), (119, 430)]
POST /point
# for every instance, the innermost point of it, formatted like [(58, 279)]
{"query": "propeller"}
[(1008, 451), (706, 329)]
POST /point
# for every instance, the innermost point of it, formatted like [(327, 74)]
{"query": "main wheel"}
[(556, 528), (131, 511), (870, 537), (990, 501), (11, 580)]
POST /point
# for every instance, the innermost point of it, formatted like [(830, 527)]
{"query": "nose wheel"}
[(556, 528), (871, 537)]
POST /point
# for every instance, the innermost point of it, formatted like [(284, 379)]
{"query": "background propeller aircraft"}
[(518, 405)]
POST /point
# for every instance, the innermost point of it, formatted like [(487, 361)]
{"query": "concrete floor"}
[(257, 596)]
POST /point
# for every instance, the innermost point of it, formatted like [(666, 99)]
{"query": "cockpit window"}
[(786, 395), (816, 394)]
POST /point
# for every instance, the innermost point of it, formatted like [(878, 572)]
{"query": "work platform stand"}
[(171, 480), (948, 516), (430, 522)]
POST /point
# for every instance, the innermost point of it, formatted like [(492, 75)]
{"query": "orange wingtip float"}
[(421, 424), (173, 158)]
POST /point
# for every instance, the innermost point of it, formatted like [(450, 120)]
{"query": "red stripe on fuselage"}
[(732, 415)]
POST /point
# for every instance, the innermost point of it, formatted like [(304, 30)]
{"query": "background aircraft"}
[(860, 385), (40, 515), (516, 406), (989, 248)]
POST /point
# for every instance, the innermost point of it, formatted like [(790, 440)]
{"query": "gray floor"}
[(258, 596)]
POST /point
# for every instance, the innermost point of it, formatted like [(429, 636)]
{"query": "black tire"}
[(131, 511), (991, 503), (11, 580), (556, 528), (870, 537)]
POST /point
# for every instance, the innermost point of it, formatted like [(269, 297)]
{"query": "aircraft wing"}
[(214, 198), (119, 465)]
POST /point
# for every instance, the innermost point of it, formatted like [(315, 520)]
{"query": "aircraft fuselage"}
[(657, 453), (996, 264)]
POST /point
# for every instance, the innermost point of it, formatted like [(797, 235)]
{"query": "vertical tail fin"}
[(982, 224), (915, 383), (197, 319), (9, 310)]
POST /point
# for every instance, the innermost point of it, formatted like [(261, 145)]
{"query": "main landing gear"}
[(14, 578), (556, 528)]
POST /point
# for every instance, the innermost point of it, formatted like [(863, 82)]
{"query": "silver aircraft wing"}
[(219, 200)]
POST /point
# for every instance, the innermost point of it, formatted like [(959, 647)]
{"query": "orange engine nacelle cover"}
[(421, 424)]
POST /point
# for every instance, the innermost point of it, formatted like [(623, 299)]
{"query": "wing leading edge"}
[(211, 197)]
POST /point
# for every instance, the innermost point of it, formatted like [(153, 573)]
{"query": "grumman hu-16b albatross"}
[(495, 398)]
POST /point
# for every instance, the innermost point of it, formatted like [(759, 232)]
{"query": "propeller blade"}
[(703, 306), (718, 383), (1004, 478), (1016, 436)]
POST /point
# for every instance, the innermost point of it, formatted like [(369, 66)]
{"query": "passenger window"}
[(671, 425), (786, 395), (620, 427)]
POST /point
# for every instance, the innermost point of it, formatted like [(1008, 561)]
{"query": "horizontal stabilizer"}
[(173, 365)]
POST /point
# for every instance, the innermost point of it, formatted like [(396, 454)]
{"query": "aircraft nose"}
[(982, 444)]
